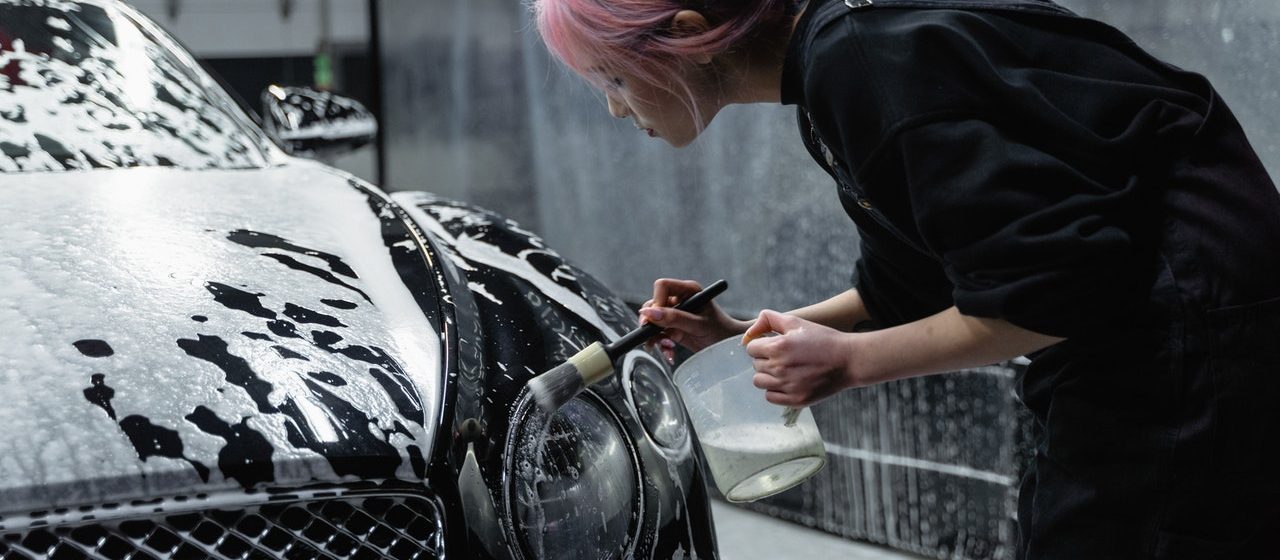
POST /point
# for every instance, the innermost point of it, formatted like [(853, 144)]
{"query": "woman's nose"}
[(615, 108)]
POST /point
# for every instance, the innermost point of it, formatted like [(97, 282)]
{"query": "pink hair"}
[(636, 36)]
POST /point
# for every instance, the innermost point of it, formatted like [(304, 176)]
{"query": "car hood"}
[(172, 331)]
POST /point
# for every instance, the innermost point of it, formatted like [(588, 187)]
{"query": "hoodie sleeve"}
[(1024, 235)]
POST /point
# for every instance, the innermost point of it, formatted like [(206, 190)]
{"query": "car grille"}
[(400, 527)]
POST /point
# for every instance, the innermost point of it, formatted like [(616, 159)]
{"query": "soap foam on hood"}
[(136, 259)]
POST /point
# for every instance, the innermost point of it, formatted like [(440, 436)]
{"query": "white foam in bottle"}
[(750, 461)]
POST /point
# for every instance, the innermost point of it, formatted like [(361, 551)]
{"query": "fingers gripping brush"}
[(595, 362)]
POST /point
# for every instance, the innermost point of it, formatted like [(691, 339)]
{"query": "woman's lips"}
[(651, 132)]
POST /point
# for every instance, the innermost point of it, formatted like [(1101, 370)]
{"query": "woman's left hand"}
[(804, 364)]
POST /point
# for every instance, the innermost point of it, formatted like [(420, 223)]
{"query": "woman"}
[(1024, 182)]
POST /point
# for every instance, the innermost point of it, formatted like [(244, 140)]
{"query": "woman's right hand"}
[(694, 331)]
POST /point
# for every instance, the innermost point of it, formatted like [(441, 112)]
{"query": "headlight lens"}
[(573, 486), (658, 405)]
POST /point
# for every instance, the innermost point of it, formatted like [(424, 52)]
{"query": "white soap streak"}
[(58, 23), (475, 250), (478, 288), (572, 343), (429, 225), (909, 462)]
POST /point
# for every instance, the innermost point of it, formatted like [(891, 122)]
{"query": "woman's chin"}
[(686, 137), (681, 140)]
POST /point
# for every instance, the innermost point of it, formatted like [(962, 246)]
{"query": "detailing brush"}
[(595, 362)]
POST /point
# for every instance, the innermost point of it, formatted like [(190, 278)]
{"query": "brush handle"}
[(635, 338)]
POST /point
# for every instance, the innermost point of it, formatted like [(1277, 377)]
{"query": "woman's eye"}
[(615, 83)]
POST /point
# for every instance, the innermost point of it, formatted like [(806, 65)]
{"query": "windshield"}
[(87, 86)]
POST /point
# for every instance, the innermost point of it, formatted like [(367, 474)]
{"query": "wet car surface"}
[(218, 349)]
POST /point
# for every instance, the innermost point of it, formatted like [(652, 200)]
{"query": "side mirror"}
[(310, 123)]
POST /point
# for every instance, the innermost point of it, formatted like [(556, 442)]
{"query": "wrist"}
[(870, 361), (857, 372)]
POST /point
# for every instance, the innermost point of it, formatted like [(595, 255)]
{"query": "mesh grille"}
[(400, 527)]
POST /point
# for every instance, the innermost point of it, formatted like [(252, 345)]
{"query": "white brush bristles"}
[(555, 387), (563, 382)]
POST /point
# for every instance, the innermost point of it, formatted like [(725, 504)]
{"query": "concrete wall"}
[(257, 28)]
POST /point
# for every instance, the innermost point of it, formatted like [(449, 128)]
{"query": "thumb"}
[(768, 321)]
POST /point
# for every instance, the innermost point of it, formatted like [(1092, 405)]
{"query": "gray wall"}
[(475, 110), (255, 28)]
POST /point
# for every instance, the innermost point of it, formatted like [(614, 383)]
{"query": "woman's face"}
[(656, 110)]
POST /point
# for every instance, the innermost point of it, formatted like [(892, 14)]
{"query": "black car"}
[(215, 348)]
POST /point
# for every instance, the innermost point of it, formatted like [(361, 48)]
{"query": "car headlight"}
[(572, 487), (657, 403)]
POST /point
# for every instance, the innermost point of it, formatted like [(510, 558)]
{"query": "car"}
[(217, 348)]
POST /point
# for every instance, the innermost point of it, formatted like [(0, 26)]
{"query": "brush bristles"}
[(555, 387)]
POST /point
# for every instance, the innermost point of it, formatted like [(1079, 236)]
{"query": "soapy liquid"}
[(735, 453)]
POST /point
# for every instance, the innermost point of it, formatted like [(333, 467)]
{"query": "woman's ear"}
[(688, 23)]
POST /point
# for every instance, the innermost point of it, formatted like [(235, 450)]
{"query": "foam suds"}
[(736, 452)]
